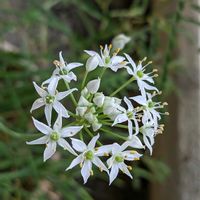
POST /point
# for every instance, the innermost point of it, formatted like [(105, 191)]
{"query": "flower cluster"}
[(132, 121)]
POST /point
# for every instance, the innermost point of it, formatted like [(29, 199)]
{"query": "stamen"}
[(56, 63), (101, 47), (129, 167), (165, 104), (133, 152), (110, 46), (166, 113), (91, 172)]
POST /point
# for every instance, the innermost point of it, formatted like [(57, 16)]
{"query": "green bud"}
[(89, 155)]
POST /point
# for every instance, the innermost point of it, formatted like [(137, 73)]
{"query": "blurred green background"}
[(32, 32)]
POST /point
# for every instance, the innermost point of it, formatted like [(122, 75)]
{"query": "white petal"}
[(41, 140), (78, 145), (120, 119), (129, 70), (99, 99), (75, 162), (130, 60), (37, 104), (93, 141), (85, 170), (130, 156), (39, 90), (49, 150), (53, 85), (70, 131), (63, 143), (146, 142), (136, 126), (91, 53), (124, 169), (149, 87), (73, 65), (114, 172), (93, 86), (99, 164), (92, 63), (128, 103), (115, 148), (58, 123), (117, 59), (62, 62), (135, 142), (43, 128), (102, 150), (48, 113), (62, 95), (60, 108), (69, 77), (140, 99), (130, 128)]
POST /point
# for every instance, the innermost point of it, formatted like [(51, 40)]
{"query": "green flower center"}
[(63, 72), (54, 136), (130, 114), (150, 104), (107, 60), (49, 99), (119, 159), (140, 74), (89, 155)]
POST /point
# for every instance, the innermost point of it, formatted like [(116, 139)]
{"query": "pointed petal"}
[(63, 143), (85, 171), (114, 172), (41, 140), (135, 142), (115, 148), (130, 128), (70, 131), (53, 85), (48, 113), (99, 164), (43, 128), (75, 162), (120, 119), (59, 108), (102, 150), (58, 123), (146, 142), (49, 150), (93, 141), (62, 95), (73, 65), (93, 85), (128, 103), (78, 145), (62, 62), (130, 156), (130, 60), (39, 90), (140, 99), (37, 104), (124, 169)]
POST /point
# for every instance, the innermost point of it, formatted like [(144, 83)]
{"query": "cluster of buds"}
[(131, 123)]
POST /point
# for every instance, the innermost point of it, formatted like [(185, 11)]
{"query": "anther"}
[(110, 46), (166, 113), (101, 47), (129, 167)]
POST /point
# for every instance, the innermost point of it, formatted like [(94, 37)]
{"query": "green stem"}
[(91, 135), (84, 79), (102, 72), (113, 134), (71, 95), (81, 135), (123, 86), (116, 125)]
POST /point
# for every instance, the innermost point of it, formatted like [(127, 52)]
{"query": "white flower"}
[(149, 107), (87, 157), (63, 71), (134, 142), (143, 79), (92, 63), (54, 136), (50, 99), (128, 115), (111, 107), (118, 156), (93, 86), (120, 41), (113, 62)]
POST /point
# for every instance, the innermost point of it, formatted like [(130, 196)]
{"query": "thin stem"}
[(123, 86), (71, 95), (113, 134), (116, 125), (102, 72), (84, 79), (91, 135), (81, 135)]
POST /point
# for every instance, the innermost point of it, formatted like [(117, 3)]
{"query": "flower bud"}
[(99, 99), (120, 41), (81, 111), (93, 86), (96, 126), (89, 117), (92, 63)]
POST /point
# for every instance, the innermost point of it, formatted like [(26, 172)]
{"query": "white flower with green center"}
[(50, 98), (88, 156), (113, 62), (54, 136), (120, 41), (118, 156), (128, 115), (63, 71), (141, 77), (150, 107)]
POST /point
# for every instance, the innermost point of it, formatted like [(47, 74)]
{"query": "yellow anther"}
[(155, 70), (110, 46), (101, 170), (166, 113), (81, 165), (101, 47), (129, 167), (106, 154), (155, 75), (123, 62), (165, 104), (136, 158), (96, 148), (91, 172), (133, 152), (56, 62)]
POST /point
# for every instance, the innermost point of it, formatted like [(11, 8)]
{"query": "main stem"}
[(71, 95), (113, 134), (123, 86), (91, 135), (84, 79)]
